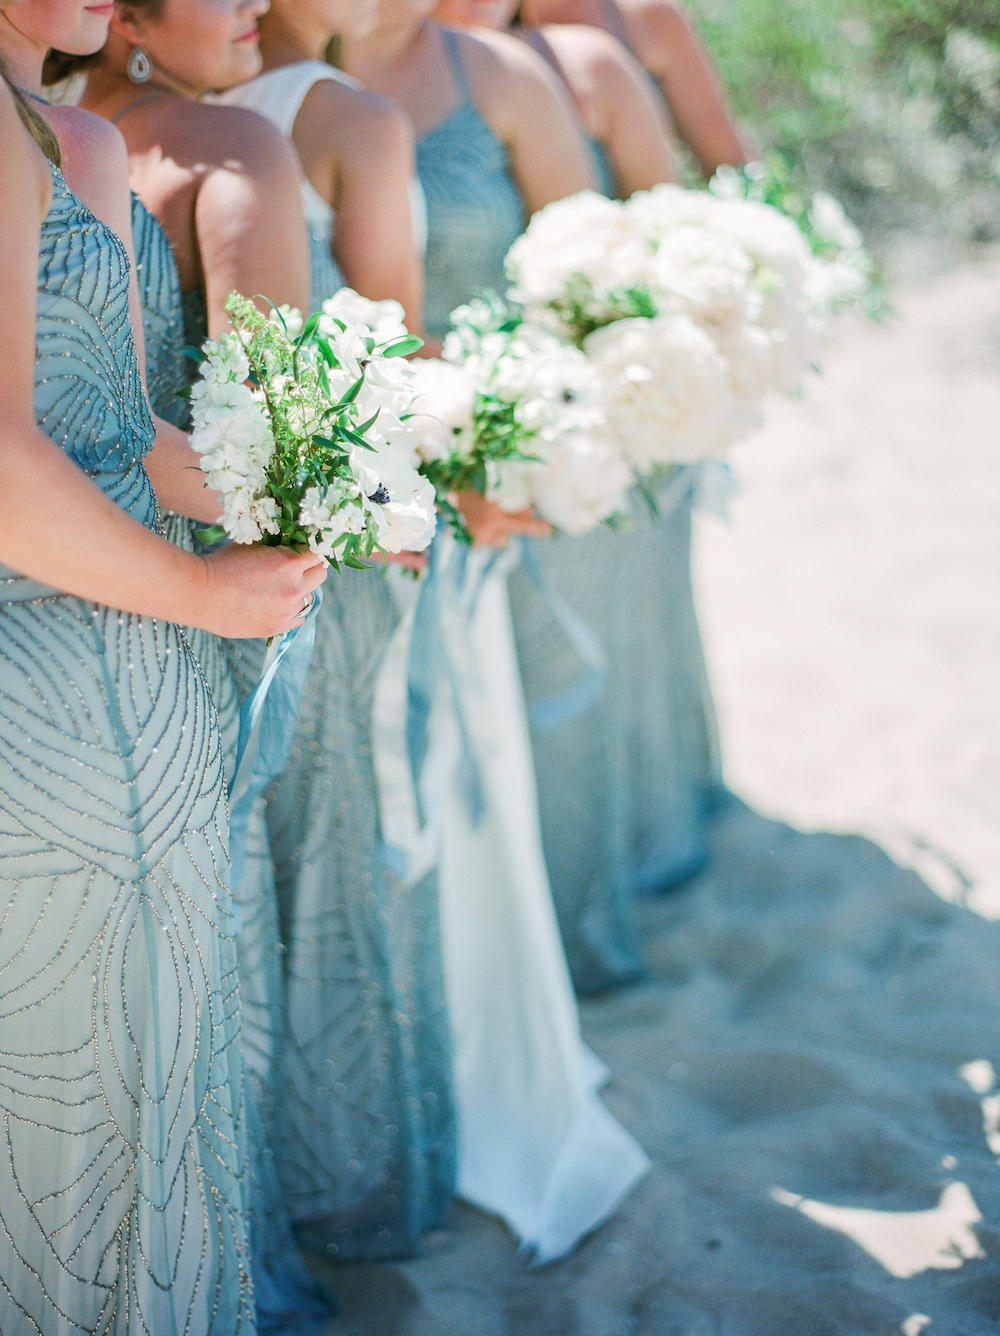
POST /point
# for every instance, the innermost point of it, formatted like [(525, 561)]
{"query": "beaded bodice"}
[(160, 293), (88, 390), (474, 210)]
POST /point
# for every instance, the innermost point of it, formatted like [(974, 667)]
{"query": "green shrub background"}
[(892, 104)]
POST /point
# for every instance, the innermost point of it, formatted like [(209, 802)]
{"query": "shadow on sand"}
[(792, 1067)]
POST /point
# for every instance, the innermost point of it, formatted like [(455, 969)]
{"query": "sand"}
[(811, 1063)]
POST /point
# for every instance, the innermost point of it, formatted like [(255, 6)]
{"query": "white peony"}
[(442, 409), (582, 481), (665, 390), (586, 242), (707, 276)]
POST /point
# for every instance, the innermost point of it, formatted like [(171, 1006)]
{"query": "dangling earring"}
[(139, 66)]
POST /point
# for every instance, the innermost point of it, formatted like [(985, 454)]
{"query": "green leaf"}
[(195, 354), (403, 347), (210, 535)]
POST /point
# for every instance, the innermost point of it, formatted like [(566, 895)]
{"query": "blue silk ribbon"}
[(267, 726)]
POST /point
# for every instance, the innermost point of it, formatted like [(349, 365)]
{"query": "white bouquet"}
[(303, 432), (690, 308), (511, 413), (842, 274)]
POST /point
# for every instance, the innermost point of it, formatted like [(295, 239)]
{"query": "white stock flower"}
[(665, 390)]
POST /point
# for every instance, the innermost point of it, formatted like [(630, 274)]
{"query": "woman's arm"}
[(668, 46), (58, 527), (248, 214), (528, 108), (615, 96), (357, 150)]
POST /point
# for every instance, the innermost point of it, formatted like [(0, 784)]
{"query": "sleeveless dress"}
[(286, 1295), (536, 1144), (367, 1160), (121, 1173), (624, 785), (278, 94)]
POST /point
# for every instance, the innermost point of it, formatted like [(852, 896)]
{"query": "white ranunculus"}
[(442, 408), (794, 344), (749, 353), (584, 236), (660, 211), (665, 390)]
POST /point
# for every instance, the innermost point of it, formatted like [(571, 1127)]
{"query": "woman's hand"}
[(492, 527), (257, 591), (413, 561)]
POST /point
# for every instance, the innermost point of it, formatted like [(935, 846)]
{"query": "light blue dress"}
[(121, 1192), (367, 1151), (474, 210), (287, 1297), (624, 785)]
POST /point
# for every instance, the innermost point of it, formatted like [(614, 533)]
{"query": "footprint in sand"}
[(905, 1242)]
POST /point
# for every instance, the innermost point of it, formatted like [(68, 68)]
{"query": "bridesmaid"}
[(496, 141), (118, 965), (620, 113), (368, 1160), (663, 40), (225, 188), (356, 151), (625, 784)]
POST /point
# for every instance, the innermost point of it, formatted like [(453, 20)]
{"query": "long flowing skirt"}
[(122, 1165), (625, 782), (536, 1144), (368, 1157)]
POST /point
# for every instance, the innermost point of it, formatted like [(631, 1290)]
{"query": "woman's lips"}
[(251, 35), (101, 11)]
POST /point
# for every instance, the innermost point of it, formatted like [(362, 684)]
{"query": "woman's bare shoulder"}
[(594, 53), (95, 159), (203, 136), (349, 111)]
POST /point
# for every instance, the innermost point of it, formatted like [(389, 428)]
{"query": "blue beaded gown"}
[(287, 1298), (367, 1160), (536, 1144), (121, 1174), (626, 783)]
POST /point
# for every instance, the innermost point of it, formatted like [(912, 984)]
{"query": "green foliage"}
[(894, 105)]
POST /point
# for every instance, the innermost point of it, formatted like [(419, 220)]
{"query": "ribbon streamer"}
[(267, 726)]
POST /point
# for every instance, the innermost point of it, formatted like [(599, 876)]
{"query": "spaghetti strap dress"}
[(287, 1297), (536, 1144), (122, 1164), (367, 1160), (627, 781)]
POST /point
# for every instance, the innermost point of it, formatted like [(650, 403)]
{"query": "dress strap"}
[(536, 39), (460, 74), (139, 102)]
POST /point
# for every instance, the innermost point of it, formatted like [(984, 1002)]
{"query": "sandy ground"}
[(798, 1065)]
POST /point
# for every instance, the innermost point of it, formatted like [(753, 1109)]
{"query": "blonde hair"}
[(33, 120)]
